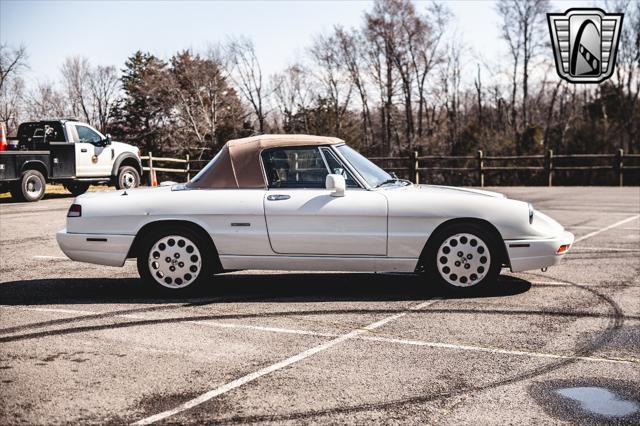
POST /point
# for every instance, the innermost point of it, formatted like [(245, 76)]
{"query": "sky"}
[(107, 32)]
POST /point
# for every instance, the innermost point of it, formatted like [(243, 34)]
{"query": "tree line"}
[(402, 81)]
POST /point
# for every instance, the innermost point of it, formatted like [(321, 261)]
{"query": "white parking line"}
[(597, 227), (277, 366), (413, 342), (604, 249), (51, 258), (496, 350), (621, 222), (62, 311), (394, 340)]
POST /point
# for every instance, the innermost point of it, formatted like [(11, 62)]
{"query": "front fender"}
[(121, 158)]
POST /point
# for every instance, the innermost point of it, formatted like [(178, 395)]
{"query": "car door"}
[(92, 159), (304, 218)]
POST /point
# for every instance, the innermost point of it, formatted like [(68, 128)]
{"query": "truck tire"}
[(30, 188), (128, 177), (77, 188)]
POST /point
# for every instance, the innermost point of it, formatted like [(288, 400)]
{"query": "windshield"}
[(373, 174)]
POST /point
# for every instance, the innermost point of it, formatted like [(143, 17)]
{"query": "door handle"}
[(83, 150), (278, 197)]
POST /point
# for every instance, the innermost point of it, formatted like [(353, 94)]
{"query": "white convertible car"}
[(292, 202)]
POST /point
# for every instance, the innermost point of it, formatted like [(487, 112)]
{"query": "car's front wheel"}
[(464, 258), (174, 260)]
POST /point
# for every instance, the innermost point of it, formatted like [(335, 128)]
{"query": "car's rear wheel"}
[(464, 258), (174, 260)]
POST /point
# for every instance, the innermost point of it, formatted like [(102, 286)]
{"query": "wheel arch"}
[(151, 227), (126, 159), (36, 165), (504, 255)]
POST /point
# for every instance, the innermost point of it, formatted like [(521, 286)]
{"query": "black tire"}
[(476, 269), (128, 177), (30, 188), (188, 273), (77, 188)]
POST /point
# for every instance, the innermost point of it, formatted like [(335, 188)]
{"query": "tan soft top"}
[(237, 165)]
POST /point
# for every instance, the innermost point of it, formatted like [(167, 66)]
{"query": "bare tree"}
[(12, 103), (450, 93), (379, 33), (76, 74), (336, 86), (351, 55), (426, 53), (247, 76), (627, 78), (45, 101), (11, 62), (292, 91), (104, 84), (524, 30)]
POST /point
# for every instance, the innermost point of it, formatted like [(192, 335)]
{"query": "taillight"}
[(563, 248), (75, 210)]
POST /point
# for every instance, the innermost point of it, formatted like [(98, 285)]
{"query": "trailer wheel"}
[(77, 188), (31, 186), (128, 177)]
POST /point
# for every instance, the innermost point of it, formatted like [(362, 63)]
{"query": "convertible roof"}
[(237, 165)]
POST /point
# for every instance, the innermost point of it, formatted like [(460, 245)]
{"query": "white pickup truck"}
[(68, 152)]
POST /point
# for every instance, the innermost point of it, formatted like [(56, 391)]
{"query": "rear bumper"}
[(525, 255), (109, 250)]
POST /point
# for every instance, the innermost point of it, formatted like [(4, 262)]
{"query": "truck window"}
[(31, 134), (86, 135)]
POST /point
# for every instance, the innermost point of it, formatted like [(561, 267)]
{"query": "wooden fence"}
[(418, 168)]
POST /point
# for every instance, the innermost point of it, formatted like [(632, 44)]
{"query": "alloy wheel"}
[(463, 260), (175, 261)]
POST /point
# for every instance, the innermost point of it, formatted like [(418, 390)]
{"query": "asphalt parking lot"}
[(85, 343)]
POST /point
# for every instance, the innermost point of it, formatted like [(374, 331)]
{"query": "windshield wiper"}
[(395, 180), (386, 182)]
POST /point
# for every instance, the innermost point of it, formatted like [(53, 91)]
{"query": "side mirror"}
[(107, 140), (337, 183)]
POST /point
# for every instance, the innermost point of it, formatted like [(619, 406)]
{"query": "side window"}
[(86, 135), (294, 168), (337, 168)]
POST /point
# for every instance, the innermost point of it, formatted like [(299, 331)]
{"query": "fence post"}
[(549, 166), (620, 167), (415, 166), (152, 178), (481, 168), (188, 169)]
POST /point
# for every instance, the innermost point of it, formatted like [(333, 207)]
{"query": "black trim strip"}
[(240, 224), (519, 245), (104, 240)]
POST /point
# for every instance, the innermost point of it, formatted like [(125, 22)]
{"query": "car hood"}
[(454, 190), (441, 203)]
